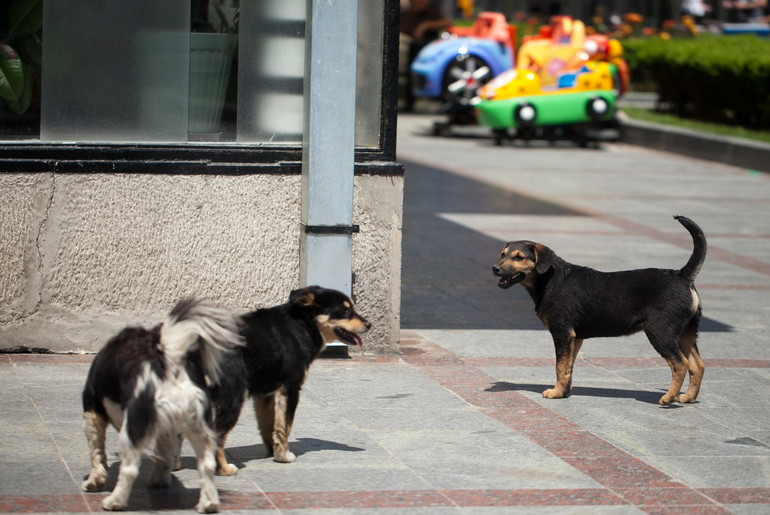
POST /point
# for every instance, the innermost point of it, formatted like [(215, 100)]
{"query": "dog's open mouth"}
[(348, 338), (507, 281)]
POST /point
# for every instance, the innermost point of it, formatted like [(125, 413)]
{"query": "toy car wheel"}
[(463, 77), (597, 108), (525, 114)]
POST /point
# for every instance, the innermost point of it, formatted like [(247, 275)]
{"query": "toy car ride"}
[(565, 86)]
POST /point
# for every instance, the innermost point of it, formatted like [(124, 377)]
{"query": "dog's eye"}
[(517, 257), (344, 314)]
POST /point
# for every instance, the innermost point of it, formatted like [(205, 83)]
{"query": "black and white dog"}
[(152, 385)]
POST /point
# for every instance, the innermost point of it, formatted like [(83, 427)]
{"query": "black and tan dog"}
[(576, 302), (280, 344)]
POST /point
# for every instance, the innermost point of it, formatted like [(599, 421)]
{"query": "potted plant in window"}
[(212, 46), (20, 54)]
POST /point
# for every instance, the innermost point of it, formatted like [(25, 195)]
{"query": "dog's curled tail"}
[(691, 269), (200, 326)]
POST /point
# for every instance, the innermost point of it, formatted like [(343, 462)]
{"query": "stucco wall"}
[(85, 254)]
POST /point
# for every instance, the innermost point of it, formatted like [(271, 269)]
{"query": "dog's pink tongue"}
[(349, 337)]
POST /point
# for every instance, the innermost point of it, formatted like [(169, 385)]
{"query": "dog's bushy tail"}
[(200, 326), (691, 269)]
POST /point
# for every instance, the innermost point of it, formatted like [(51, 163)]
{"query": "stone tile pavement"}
[(456, 422)]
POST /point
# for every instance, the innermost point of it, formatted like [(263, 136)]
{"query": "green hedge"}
[(723, 79)]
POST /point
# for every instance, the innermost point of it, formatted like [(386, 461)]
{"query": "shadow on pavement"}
[(577, 391)]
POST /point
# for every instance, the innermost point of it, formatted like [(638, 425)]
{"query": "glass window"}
[(208, 72)]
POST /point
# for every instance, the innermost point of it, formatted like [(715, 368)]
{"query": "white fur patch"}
[(114, 413), (200, 322), (695, 300)]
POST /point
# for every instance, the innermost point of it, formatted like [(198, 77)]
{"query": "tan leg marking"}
[(678, 373), (264, 408), (223, 467), (95, 428), (282, 429), (696, 368), (564, 367)]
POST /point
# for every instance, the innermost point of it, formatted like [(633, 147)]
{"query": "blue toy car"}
[(454, 67)]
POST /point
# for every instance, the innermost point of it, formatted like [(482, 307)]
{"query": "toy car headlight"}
[(525, 114), (597, 108)]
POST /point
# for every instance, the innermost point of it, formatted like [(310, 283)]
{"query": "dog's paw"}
[(227, 470), (95, 482), (112, 503), (208, 502), (207, 506), (685, 399), (667, 399), (553, 393), (286, 457)]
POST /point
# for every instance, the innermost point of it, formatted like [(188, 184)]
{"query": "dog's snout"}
[(368, 325), (496, 269)]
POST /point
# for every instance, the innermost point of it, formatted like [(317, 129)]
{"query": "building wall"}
[(85, 254)]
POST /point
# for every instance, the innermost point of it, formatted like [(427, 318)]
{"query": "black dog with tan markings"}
[(576, 302), (281, 342)]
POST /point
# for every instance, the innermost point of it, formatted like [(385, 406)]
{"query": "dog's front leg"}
[(567, 347), (95, 428), (285, 406)]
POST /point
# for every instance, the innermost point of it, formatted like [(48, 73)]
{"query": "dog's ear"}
[(302, 297), (543, 258)]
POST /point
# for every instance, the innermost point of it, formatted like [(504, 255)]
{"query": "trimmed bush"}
[(723, 79)]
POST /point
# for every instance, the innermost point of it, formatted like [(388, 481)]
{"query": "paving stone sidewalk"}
[(433, 430)]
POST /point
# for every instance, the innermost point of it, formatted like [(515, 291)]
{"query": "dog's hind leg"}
[(204, 445), (567, 348), (264, 408), (679, 367), (227, 409), (130, 456), (696, 366), (665, 344), (285, 407), (139, 427), (225, 419), (223, 467), (95, 427)]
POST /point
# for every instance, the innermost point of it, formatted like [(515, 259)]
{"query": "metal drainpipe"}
[(329, 139)]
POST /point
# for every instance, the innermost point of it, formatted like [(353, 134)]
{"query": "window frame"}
[(24, 156)]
